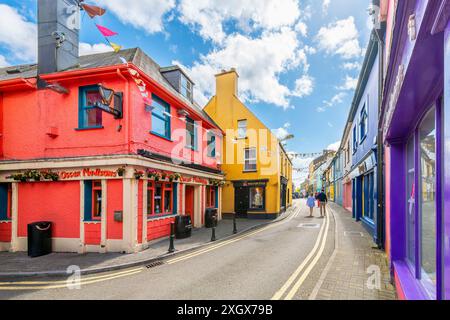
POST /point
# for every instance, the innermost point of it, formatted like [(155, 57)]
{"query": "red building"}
[(110, 178)]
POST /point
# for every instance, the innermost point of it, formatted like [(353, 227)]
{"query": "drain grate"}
[(154, 264), (309, 225), (353, 234)]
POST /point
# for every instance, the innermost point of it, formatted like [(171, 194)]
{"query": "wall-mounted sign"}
[(87, 173)]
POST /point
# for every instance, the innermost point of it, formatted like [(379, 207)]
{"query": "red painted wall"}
[(1, 125), (5, 232), (58, 202), (92, 233), (140, 209), (114, 230), (159, 228)]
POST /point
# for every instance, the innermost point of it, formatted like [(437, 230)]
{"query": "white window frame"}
[(242, 135), (250, 160)]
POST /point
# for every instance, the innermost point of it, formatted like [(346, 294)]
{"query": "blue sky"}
[(298, 60)]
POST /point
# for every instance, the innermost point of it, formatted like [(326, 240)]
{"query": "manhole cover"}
[(353, 234), (309, 225)]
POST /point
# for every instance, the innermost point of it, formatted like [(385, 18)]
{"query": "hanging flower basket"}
[(121, 171), (174, 177), (138, 174), (152, 174)]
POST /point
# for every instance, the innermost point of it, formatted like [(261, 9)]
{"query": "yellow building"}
[(257, 168)]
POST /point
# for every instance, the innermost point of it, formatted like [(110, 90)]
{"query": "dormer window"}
[(186, 88)]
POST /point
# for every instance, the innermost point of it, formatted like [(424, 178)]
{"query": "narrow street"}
[(285, 260)]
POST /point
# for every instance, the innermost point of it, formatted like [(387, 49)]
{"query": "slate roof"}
[(135, 56)]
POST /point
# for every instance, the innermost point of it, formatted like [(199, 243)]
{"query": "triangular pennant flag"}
[(116, 47), (105, 31), (124, 61), (93, 11)]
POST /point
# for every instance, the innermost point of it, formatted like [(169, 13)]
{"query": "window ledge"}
[(410, 286), (161, 217), (90, 128), (249, 171), (160, 136), (5, 221), (92, 222)]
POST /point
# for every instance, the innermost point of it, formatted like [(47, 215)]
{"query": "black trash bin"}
[(183, 227), (210, 218), (39, 239)]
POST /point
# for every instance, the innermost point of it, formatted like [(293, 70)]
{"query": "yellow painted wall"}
[(226, 110)]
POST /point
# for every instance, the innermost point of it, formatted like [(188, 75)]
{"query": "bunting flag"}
[(105, 31), (141, 86), (115, 46), (93, 11)]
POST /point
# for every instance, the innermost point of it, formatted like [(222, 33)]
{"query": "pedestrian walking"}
[(318, 202), (311, 202), (323, 200)]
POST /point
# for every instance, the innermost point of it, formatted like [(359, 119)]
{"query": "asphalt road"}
[(280, 261)]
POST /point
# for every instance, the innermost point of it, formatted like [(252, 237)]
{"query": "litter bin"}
[(39, 239), (183, 227), (210, 218)]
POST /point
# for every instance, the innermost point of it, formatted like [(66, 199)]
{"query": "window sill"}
[(89, 128), (250, 171), (191, 148), (92, 221), (161, 136), (409, 285), (161, 217), (5, 221)]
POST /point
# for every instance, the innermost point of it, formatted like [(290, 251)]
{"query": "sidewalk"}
[(19, 264), (346, 275)]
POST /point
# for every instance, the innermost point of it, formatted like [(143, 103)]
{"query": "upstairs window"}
[(355, 139), (363, 124), (5, 201), (89, 116), (186, 88), (211, 145), (242, 129), (250, 159), (191, 134), (160, 117)]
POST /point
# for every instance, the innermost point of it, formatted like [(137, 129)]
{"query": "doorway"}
[(189, 205), (241, 203)]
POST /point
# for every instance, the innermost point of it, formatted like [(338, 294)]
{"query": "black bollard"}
[(213, 235), (234, 224), (172, 238)]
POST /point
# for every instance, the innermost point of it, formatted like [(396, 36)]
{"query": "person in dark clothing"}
[(323, 200)]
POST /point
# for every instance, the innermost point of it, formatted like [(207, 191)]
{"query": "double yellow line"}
[(69, 283), (296, 280), (228, 242)]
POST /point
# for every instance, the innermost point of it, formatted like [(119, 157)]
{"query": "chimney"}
[(58, 35), (227, 83)]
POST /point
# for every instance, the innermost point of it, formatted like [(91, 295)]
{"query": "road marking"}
[(290, 281), (46, 285), (302, 278), (219, 245)]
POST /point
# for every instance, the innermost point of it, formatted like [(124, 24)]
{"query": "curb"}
[(63, 273)]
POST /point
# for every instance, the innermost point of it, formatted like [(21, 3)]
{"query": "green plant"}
[(174, 177), (138, 174), (121, 171), (152, 174)]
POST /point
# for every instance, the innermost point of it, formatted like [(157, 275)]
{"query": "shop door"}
[(283, 196), (189, 206), (241, 201)]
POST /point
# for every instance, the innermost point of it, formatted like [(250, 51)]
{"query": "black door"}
[(241, 201), (283, 196)]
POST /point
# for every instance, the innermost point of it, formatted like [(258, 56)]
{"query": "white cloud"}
[(340, 38), (209, 16), (301, 173), (351, 66), (301, 28), (334, 146), (3, 62), (282, 132), (336, 99), (86, 48), (326, 5), (259, 62), (147, 15), (349, 83), (17, 34), (304, 86)]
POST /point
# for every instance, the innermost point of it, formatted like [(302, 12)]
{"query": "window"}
[(250, 159), (210, 197), (89, 117), (427, 191), (211, 148), (186, 88), (347, 152), (242, 129), (363, 124), (411, 203), (191, 134), (257, 198), (92, 200), (160, 117), (5, 201), (355, 139), (159, 199)]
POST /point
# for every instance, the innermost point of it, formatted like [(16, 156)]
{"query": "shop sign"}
[(393, 99), (250, 184), (87, 173), (194, 180)]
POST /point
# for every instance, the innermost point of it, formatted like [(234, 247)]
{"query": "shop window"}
[(160, 199), (191, 134), (5, 201), (242, 129), (210, 197), (250, 159), (355, 139), (411, 202), (90, 117), (92, 200), (257, 198), (211, 151), (160, 118)]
